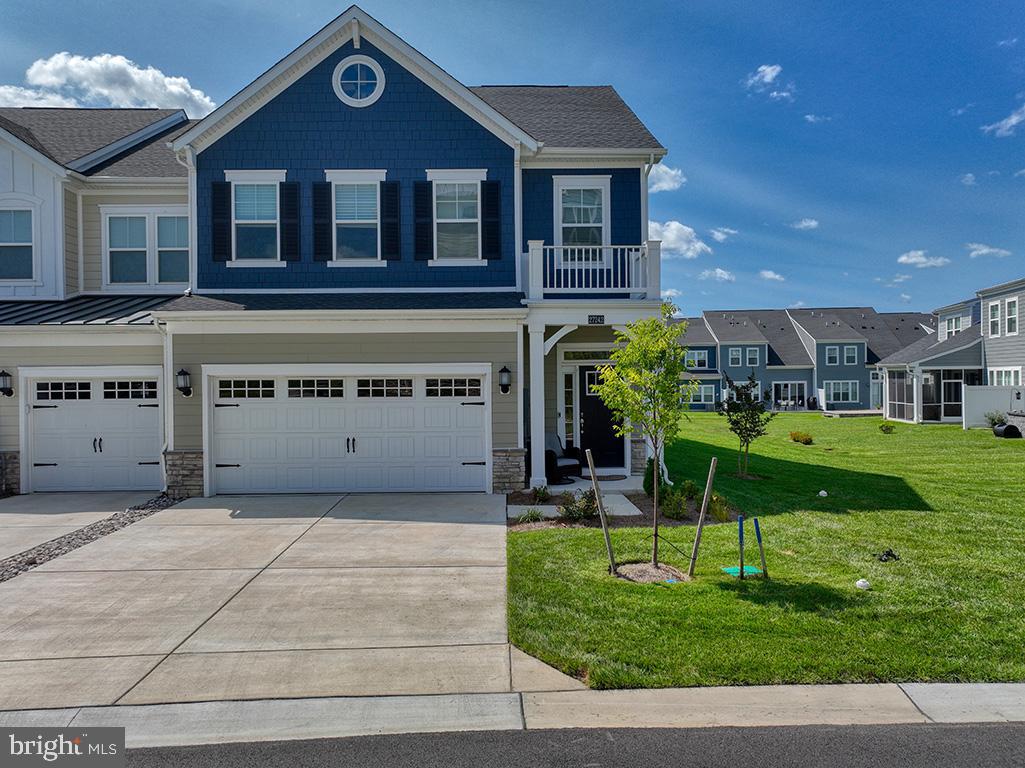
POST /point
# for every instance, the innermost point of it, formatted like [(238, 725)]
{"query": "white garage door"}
[(95, 434), (349, 433)]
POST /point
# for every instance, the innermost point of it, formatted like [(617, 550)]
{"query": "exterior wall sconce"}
[(5, 384), (183, 383), (504, 380)]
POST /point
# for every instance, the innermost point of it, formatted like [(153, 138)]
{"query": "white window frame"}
[(990, 319), (759, 394), (151, 214), (456, 176), (697, 397), (739, 352), (747, 357), (1013, 375), (953, 325), (832, 387), (17, 201), (697, 358), (354, 177), (247, 177), (848, 348), (596, 181), (834, 352), (1012, 300), (336, 80)]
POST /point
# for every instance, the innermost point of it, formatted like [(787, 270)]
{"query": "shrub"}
[(689, 489), (718, 508), (674, 504), (886, 428), (802, 437), (995, 418), (532, 515), (649, 479), (541, 494), (583, 506)]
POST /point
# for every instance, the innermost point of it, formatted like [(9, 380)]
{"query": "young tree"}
[(646, 387), (746, 416)]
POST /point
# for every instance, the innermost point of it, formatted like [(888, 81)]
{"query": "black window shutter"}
[(423, 220), (322, 221), (288, 212), (391, 238), (220, 219), (491, 219)]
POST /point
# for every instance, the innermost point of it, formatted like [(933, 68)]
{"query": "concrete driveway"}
[(266, 597)]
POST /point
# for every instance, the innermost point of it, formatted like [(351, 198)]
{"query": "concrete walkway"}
[(283, 719)]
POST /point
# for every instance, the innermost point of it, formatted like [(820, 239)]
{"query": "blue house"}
[(356, 274)]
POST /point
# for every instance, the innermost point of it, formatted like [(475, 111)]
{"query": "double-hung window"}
[(16, 244), (953, 325), (357, 209), (832, 355), (581, 216), (255, 219), (145, 247), (752, 357), (457, 214), (994, 319), (841, 391), (1011, 317), (736, 357), (850, 355), (1005, 377), (697, 358), (703, 394)]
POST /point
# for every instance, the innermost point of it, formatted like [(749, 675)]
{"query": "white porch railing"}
[(629, 270)]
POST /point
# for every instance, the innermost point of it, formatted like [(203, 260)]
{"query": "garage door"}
[(95, 434), (349, 433)]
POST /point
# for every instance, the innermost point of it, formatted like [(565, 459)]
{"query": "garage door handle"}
[(227, 465), (101, 445), (94, 445), (472, 403), (149, 405), (475, 463), (44, 406), (226, 405), (148, 463), (45, 465), (348, 444)]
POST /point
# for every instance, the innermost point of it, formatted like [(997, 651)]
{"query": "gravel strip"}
[(43, 553)]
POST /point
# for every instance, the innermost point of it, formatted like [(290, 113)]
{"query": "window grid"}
[(752, 357), (453, 387), (63, 390), (356, 220), (850, 355), (130, 390), (306, 388), (953, 325), (704, 394), (1005, 377), (841, 391), (388, 388), (832, 355), (127, 250), (245, 388), (736, 357), (697, 358), (994, 319), (145, 247), (457, 220), (1011, 317), (255, 211), (16, 246)]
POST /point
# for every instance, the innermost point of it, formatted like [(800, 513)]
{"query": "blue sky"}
[(865, 122)]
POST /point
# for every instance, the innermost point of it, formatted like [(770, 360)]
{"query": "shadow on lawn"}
[(798, 596), (788, 486)]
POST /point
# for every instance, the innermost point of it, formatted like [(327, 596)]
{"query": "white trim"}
[(848, 347), (700, 391), (80, 241), (255, 176), (34, 154), (457, 263), (350, 178), (343, 263), (455, 179), (854, 390), (151, 214), (747, 357), (791, 383), (990, 319), (834, 349), (79, 336), (519, 386), (692, 364), (1008, 315), (468, 289), (518, 216), (740, 357), (348, 61), (355, 176), (256, 264), (464, 175), (256, 180), (1014, 371), (97, 157), (552, 340), (21, 201), (593, 181)]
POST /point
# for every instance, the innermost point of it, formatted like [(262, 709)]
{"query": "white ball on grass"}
[(862, 584), (823, 493)]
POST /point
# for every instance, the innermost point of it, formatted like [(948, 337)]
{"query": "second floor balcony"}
[(598, 271)]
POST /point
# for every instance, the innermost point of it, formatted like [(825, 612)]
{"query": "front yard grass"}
[(951, 503)]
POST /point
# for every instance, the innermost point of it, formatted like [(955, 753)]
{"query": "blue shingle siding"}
[(841, 372), (624, 189), (740, 373), (307, 129)]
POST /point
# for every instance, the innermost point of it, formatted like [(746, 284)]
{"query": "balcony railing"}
[(615, 271)]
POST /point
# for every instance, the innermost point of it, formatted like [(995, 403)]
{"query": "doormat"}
[(609, 478)]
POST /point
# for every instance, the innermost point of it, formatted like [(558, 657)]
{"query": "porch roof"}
[(929, 347)]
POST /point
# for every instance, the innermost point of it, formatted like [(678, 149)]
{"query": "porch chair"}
[(561, 463)]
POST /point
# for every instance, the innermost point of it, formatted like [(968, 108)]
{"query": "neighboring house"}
[(801, 358), (977, 343), (356, 274)]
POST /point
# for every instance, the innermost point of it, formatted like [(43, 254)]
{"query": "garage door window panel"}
[(63, 390), (130, 390), (316, 388), (460, 387), (241, 389), (384, 388)]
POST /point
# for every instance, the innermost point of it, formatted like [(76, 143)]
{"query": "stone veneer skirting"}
[(638, 455), (184, 473), (10, 472), (509, 469), (1017, 418)]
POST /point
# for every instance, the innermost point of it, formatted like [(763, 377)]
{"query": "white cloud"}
[(1019, 174), (718, 274), (905, 297), (1008, 43), (1007, 126), (671, 293), (796, 305), (16, 96), (721, 234), (763, 77), (107, 80), (919, 260), (958, 111), (665, 179), (969, 180), (678, 240), (768, 274), (816, 119), (894, 281), (786, 94), (805, 223), (975, 250)]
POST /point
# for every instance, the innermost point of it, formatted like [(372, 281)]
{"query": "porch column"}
[(916, 415), (537, 406)]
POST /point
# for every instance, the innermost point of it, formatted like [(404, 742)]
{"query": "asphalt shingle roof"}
[(153, 159), (825, 325), (930, 347), (584, 116), (259, 302), (697, 333), (733, 326)]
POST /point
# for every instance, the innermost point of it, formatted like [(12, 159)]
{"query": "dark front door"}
[(596, 425)]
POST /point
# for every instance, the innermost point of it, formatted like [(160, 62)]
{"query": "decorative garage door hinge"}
[(148, 463), (226, 405), (37, 464), (149, 405), (473, 403), (227, 465), (44, 406), (474, 463)]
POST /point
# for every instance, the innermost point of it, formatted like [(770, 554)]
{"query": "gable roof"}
[(929, 347), (825, 325), (697, 333), (732, 326), (354, 24), (571, 116), (152, 159)]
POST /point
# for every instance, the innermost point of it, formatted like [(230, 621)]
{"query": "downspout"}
[(644, 198), (187, 158), (168, 398)]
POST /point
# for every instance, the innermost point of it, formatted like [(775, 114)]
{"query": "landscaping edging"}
[(49, 550)]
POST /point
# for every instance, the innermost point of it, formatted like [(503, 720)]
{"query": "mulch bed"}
[(646, 573), (47, 551)]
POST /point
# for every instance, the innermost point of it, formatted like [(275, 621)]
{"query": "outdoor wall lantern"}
[(184, 383), (5, 384), (504, 380)]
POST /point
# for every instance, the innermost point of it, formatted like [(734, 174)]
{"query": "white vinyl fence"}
[(978, 401)]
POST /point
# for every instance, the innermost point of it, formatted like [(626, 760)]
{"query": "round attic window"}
[(358, 81)]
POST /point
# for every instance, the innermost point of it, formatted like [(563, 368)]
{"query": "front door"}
[(596, 422)]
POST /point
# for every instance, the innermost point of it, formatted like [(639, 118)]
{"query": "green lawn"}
[(951, 503)]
